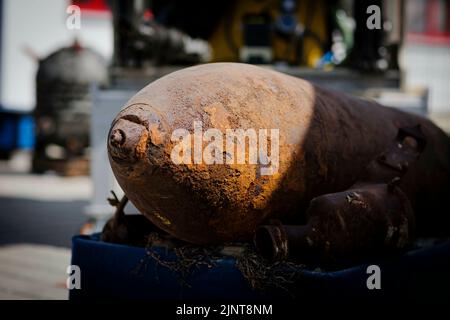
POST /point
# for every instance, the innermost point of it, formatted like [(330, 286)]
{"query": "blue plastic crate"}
[(110, 271)]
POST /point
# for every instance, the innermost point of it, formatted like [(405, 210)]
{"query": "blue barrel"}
[(16, 131)]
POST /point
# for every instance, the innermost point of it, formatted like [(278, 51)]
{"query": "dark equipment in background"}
[(370, 52), (140, 41), (62, 114), (296, 32), (257, 39)]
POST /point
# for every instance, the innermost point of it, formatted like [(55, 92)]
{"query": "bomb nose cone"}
[(117, 138), (127, 140)]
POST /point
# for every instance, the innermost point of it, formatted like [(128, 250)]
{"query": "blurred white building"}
[(425, 56)]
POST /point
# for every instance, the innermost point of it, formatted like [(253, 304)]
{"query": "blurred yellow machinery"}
[(247, 24)]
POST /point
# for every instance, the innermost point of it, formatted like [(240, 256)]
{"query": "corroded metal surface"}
[(326, 141)]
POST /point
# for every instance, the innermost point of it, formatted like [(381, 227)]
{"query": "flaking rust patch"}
[(164, 220), (218, 116), (141, 147), (156, 137)]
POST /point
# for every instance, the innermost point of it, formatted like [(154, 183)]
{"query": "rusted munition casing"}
[(326, 139), (346, 225)]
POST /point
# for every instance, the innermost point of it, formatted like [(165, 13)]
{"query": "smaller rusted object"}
[(373, 216), (127, 229)]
